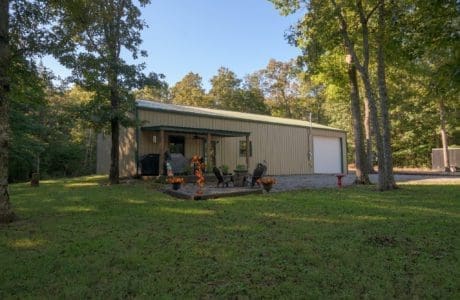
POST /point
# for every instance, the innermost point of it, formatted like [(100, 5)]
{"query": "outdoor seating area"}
[(222, 185)]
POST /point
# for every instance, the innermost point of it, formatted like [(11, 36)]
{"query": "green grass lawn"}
[(79, 239)]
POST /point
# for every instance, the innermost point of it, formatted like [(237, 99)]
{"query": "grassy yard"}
[(79, 239)]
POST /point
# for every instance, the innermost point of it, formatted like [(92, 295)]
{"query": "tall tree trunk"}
[(112, 36), (114, 175), (6, 212), (363, 70), (368, 133), (389, 181), (376, 130), (362, 175), (445, 145)]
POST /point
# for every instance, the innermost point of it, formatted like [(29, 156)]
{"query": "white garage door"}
[(327, 155)]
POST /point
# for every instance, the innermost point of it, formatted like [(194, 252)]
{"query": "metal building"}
[(229, 138)]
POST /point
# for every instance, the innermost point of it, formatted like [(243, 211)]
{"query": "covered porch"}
[(183, 141)]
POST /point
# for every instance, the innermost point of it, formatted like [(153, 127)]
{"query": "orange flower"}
[(197, 161), (267, 180), (176, 180)]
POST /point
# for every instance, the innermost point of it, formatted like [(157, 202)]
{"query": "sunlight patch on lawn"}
[(26, 243), (399, 209), (80, 184), (49, 181), (75, 209), (369, 218), (132, 201), (431, 181), (431, 210), (316, 219), (225, 201), (187, 211)]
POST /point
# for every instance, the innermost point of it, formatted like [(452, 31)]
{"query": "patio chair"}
[(258, 173), (220, 178)]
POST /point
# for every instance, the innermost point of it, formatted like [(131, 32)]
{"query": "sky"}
[(203, 35)]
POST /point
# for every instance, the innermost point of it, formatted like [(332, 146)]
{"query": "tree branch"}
[(369, 15), (346, 37)]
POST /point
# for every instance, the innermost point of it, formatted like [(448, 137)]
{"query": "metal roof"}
[(225, 114)]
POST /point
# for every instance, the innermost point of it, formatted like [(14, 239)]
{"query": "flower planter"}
[(176, 186), (267, 187)]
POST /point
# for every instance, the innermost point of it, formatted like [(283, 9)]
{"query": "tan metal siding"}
[(103, 154), (127, 161), (127, 148), (285, 148)]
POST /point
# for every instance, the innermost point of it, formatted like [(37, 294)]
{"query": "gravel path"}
[(287, 183)]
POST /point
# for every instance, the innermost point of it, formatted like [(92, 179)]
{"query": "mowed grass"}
[(79, 239)]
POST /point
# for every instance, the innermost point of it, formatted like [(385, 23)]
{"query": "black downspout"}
[(341, 155)]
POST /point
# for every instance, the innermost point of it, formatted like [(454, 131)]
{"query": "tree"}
[(357, 44), (23, 33), (253, 98), (281, 86), (159, 92), (225, 90), (436, 53), (189, 91), (91, 38), (362, 170), (380, 124), (6, 211)]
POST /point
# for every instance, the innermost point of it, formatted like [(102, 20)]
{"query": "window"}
[(177, 144), (243, 148)]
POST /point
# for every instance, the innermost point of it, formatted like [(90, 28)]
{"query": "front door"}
[(212, 158)]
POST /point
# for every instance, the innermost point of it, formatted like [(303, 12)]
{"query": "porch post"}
[(162, 151), (208, 151), (247, 152)]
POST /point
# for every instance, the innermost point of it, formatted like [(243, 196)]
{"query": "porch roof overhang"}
[(214, 132)]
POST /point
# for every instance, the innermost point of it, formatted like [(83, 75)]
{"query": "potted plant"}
[(240, 169), (267, 183), (224, 169), (176, 182)]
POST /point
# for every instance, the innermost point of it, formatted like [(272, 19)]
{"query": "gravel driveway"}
[(295, 182)]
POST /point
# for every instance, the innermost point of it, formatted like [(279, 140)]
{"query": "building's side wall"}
[(103, 154), (127, 162), (285, 148), (437, 158)]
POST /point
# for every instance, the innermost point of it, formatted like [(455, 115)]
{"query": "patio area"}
[(210, 191), (284, 183), (298, 182)]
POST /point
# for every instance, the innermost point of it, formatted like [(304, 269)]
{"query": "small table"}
[(240, 177)]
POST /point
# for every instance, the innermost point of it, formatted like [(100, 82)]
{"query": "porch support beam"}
[(162, 151), (208, 151), (247, 152)]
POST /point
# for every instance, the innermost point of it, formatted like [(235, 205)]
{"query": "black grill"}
[(150, 164)]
